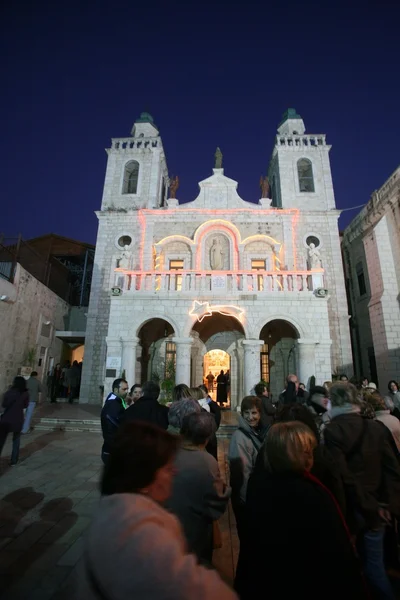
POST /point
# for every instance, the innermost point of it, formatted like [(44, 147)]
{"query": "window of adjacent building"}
[(45, 330), (362, 288), (177, 265), (305, 173), (170, 360), (264, 362), (131, 177)]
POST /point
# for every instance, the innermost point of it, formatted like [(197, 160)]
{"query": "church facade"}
[(182, 290)]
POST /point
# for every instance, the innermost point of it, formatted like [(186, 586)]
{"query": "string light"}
[(201, 310)]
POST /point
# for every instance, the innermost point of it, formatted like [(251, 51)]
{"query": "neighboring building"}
[(44, 292), (218, 282), (371, 254)]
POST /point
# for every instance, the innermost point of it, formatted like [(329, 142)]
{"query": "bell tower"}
[(300, 171), (137, 174)]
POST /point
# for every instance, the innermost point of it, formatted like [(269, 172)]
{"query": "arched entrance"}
[(222, 334), (158, 357), (214, 362), (278, 354)]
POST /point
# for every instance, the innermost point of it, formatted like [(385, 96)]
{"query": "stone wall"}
[(373, 238), (32, 310)]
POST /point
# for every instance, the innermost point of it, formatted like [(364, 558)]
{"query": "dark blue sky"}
[(79, 73)]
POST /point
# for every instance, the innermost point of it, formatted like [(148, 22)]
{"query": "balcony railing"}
[(204, 282)]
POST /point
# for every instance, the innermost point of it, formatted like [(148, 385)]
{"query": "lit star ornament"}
[(201, 310)]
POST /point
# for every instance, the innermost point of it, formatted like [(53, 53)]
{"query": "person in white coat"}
[(134, 547)]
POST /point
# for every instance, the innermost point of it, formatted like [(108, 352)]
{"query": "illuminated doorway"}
[(214, 362)]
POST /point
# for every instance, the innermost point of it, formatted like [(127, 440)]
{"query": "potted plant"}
[(28, 362)]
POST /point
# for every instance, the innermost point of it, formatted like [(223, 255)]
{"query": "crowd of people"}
[(65, 382), (20, 401), (314, 486)]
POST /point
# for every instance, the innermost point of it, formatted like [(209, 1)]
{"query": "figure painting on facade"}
[(314, 257), (173, 186), (218, 159), (265, 187), (216, 255), (124, 261)]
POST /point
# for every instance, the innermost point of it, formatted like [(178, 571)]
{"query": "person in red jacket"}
[(15, 401)]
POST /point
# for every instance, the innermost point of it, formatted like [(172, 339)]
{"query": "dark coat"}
[(370, 470), (198, 498), (111, 415), (147, 410), (290, 396), (268, 411), (304, 544), (215, 410), (14, 403), (324, 469)]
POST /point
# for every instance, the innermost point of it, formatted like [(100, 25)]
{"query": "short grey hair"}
[(343, 393), (198, 428), (179, 409)]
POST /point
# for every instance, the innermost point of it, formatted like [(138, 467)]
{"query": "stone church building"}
[(219, 282)]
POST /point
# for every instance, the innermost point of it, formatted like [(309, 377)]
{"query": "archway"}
[(278, 355), (214, 362), (158, 356), (223, 334)]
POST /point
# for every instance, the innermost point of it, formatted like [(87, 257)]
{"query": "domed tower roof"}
[(291, 123), (144, 126)]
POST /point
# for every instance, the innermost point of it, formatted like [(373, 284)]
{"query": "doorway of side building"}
[(214, 362)]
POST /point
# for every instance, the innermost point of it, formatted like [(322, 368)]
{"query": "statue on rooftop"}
[(173, 186), (265, 187), (218, 159)]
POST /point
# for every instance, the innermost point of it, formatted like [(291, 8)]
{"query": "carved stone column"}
[(306, 350), (252, 373), (129, 359), (183, 355)]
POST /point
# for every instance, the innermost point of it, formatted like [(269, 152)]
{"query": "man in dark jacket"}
[(292, 392), (147, 408), (371, 477), (267, 408), (113, 409)]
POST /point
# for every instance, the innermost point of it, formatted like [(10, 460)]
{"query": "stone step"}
[(93, 425)]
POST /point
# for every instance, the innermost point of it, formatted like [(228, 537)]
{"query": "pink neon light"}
[(158, 272), (200, 310), (221, 211)]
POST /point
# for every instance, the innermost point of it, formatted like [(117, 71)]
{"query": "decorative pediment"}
[(219, 191)]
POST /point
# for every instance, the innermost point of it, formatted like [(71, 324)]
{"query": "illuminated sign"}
[(200, 310)]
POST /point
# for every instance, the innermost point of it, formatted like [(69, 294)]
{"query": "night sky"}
[(211, 74)]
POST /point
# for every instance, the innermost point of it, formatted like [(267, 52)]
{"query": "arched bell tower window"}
[(131, 177), (306, 178)]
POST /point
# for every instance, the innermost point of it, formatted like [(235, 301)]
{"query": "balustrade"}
[(228, 282), (129, 143), (301, 140)]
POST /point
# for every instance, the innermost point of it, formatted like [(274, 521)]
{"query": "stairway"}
[(93, 425)]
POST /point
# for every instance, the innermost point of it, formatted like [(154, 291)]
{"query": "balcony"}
[(212, 282)]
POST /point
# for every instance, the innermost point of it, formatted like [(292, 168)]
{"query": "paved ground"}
[(46, 505)]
